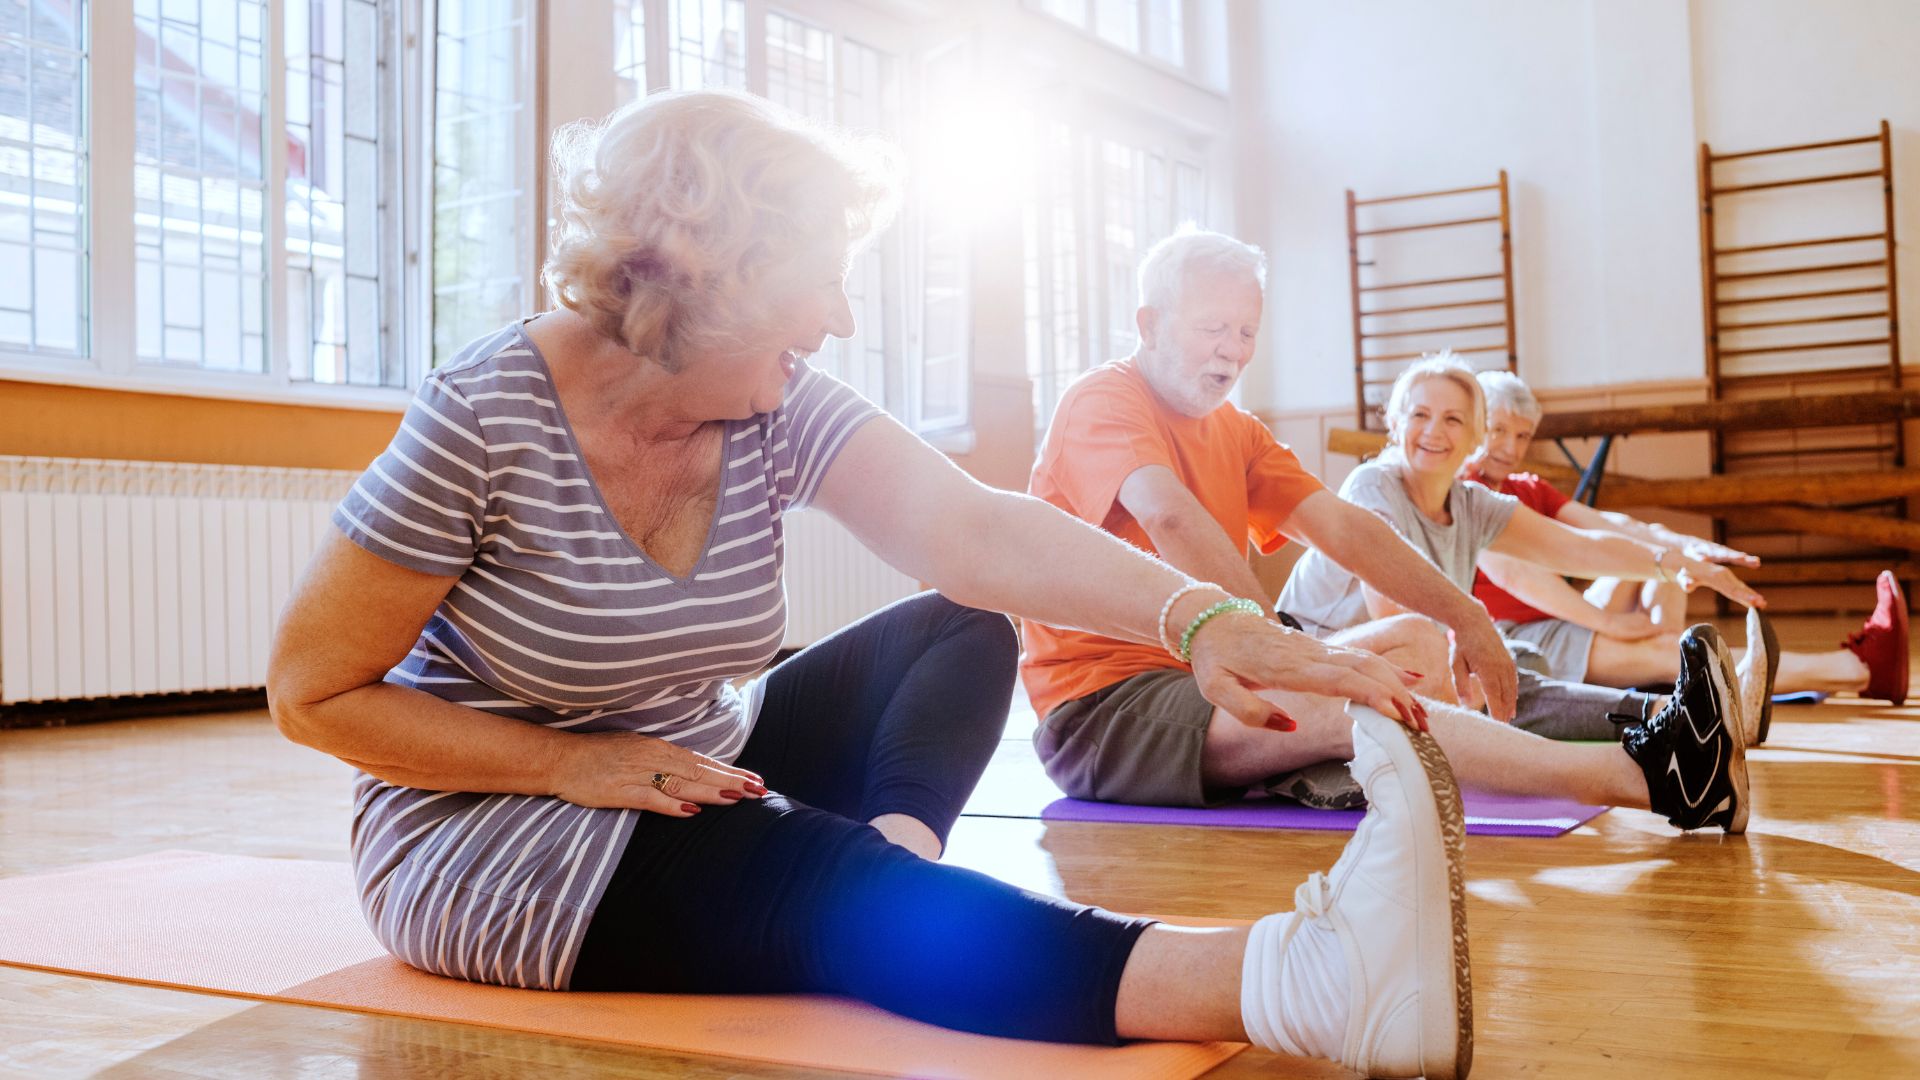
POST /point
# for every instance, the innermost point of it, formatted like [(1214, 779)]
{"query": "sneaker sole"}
[(1770, 643), (1446, 1022), (1726, 689)]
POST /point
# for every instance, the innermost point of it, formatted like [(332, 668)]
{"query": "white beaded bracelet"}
[(1166, 640)]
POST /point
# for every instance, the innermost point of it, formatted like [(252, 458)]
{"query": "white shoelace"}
[(1294, 980)]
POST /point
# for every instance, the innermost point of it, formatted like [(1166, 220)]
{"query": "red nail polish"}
[(1280, 721), (1413, 673), (732, 796), (689, 808), (757, 789)]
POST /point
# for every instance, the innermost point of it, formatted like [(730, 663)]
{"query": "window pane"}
[(706, 44), (1118, 21), (630, 49), (200, 183), (43, 171), (1074, 11), (1055, 354), (481, 246), (335, 76), (800, 66), (870, 101), (1123, 189), (1167, 31), (1189, 194), (940, 397)]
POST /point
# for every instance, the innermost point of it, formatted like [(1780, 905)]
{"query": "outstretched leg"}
[(771, 896), (891, 720), (1654, 660)]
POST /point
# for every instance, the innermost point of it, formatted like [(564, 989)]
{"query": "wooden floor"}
[(1623, 949)]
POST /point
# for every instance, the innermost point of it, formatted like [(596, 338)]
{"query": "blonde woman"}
[(526, 629), (1679, 747), (1615, 635)]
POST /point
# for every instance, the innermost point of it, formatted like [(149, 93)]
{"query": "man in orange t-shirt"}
[(1149, 449)]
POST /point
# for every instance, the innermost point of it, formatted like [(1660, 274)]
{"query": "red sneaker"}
[(1881, 643)]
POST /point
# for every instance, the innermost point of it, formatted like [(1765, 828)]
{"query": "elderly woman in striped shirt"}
[(527, 631)]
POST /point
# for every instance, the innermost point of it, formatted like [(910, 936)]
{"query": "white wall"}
[(1773, 73), (1594, 107)]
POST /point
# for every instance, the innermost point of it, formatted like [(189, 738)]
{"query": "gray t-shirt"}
[(1326, 598)]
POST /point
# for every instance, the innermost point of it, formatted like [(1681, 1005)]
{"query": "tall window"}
[(43, 177), (1096, 206), (801, 76), (200, 184), (630, 49), (482, 170), (800, 66), (226, 251), (1155, 28), (336, 239), (1163, 22), (939, 396), (1118, 21), (826, 75), (706, 44), (1056, 351), (870, 101)]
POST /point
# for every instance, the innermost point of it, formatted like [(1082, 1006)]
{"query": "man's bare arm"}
[(1390, 568), (1185, 534)]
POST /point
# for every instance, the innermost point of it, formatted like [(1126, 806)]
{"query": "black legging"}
[(896, 714)]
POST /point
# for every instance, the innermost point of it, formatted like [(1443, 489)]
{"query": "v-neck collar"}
[(599, 497)]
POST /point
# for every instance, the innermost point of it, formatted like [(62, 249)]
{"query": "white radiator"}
[(121, 578), (831, 579)]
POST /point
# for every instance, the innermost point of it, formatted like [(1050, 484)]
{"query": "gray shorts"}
[(1566, 647), (1140, 741)]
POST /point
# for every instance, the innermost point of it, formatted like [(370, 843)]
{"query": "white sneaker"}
[(1394, 905), (1757, 671)]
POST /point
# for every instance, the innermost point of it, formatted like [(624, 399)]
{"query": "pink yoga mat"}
[(1487, 815), (290, 930)]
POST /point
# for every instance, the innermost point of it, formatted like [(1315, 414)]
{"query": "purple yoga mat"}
[(1487, 815)]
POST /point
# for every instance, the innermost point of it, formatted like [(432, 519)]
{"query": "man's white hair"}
[(1192, 249), (1508, 391)]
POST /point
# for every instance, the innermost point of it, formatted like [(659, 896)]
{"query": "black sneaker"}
[(1692, 751)]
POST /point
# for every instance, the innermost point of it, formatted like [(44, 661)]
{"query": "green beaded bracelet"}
[(1238, 603)]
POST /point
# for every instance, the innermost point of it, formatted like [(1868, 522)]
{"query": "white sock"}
[(1293, 987)]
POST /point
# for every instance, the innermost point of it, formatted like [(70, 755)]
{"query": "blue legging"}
[(897, 714)]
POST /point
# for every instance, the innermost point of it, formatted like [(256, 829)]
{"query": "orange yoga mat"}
[(290, 930)]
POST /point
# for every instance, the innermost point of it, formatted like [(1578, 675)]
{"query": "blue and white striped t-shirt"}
[(557, 618)]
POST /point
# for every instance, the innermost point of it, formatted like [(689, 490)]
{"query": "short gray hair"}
[(1191, 248), (1508, 391)]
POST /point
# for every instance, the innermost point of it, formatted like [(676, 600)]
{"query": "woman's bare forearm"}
[(1576, 552), (1025, 557), (414, 739), (1543, 589)]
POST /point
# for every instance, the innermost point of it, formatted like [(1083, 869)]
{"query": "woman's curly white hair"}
[(685, 217)]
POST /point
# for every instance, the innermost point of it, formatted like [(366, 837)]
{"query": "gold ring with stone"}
[(660, 782)]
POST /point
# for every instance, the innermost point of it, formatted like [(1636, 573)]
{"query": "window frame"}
[(111, 359), (1089, 133), (906, 44), (1088, 28)]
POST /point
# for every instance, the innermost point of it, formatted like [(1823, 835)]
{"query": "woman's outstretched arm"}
[(1007, 552)]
